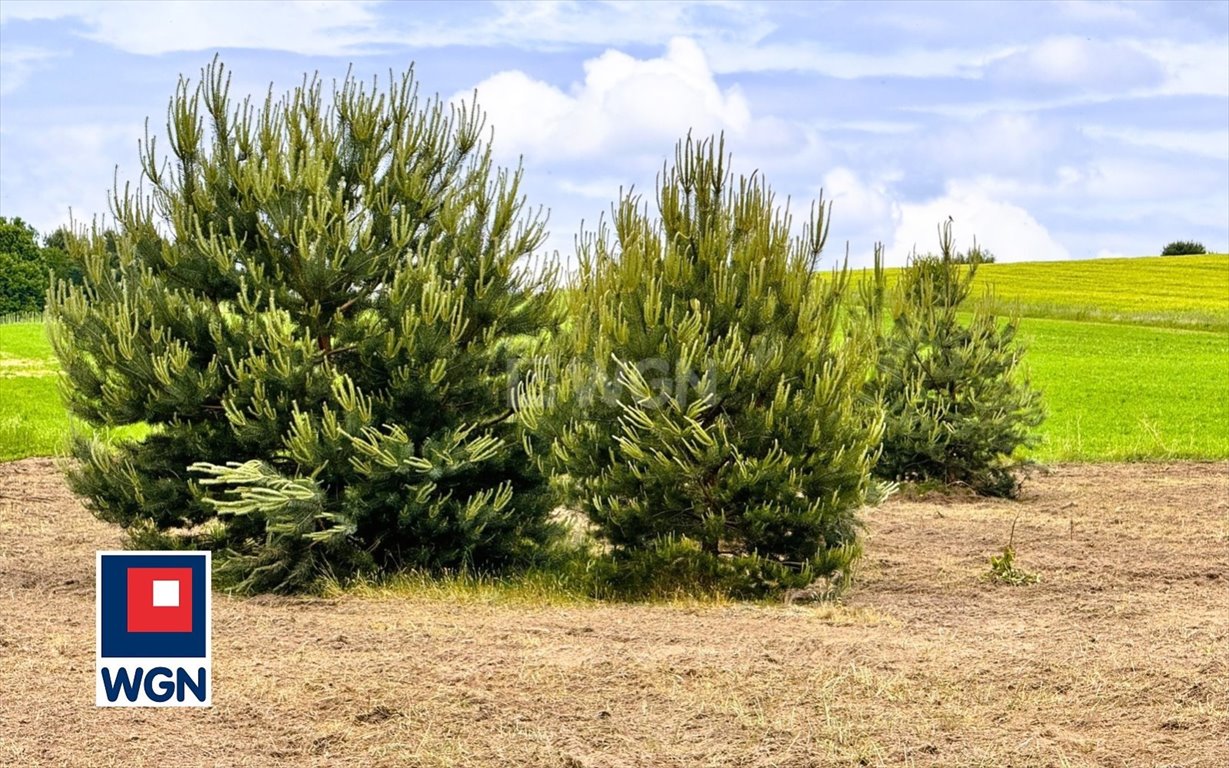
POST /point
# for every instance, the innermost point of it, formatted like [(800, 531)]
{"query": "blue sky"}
[(1047, 130)]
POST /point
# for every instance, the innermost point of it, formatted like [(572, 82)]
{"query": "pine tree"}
[(314, 304), (701, 407), (957, 403)]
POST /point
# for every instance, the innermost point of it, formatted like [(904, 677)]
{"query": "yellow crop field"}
[(1174, 291)]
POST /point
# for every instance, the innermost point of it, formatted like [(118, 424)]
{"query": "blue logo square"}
[(116, 641)]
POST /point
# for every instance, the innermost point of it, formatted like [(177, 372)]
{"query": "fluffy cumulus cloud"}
[(870, 209), (613, 128), (1007, 230), (622, 104), (864, 211)]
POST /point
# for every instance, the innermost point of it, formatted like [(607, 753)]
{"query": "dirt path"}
[(1120, 656)]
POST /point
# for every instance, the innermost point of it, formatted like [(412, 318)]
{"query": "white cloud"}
[(63, 168), (1191, 68), (1102, 11), (1108, 177), (18, 63), (355, 27), (870, 209), (623, 103), (1069, 72), (1115, 179), (734, 56), (1076, 62), (1206, 143), (559, 24), (863, 211), (869, 201), (314, 27), (995, 141), (1007, 230), (732, 34), (30, 10), (1065, 185)]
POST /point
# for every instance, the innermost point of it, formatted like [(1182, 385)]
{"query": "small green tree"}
[(314, 305), (1183, 248), (701, 407), (957, 404), (975, 255)]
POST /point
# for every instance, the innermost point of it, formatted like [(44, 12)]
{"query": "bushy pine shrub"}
[(1183, 248), (957, 403), (314, 304), (701, 408)]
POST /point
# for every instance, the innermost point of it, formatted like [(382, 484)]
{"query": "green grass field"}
[(1123, 392), (32, 420), (1132, 355)]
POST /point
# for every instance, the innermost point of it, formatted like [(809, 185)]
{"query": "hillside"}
[(1188, 292), (1173, 291)]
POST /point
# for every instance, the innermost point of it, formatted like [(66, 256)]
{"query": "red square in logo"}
[(159, 599)]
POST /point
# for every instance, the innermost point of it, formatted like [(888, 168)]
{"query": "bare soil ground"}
[(1119, 656)]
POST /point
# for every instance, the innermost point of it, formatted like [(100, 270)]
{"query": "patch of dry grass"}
[(1116, 658)]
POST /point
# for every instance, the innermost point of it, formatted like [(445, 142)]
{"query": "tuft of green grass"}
[(463, 588), (577, 582)]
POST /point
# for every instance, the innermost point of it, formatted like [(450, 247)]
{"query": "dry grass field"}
[(1118, 657)]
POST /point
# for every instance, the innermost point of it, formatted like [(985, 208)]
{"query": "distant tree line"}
[(27, 265)]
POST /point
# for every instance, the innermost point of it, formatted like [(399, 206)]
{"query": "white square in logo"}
[(166, 594)]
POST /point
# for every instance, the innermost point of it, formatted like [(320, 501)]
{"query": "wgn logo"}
[(153, 625)]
